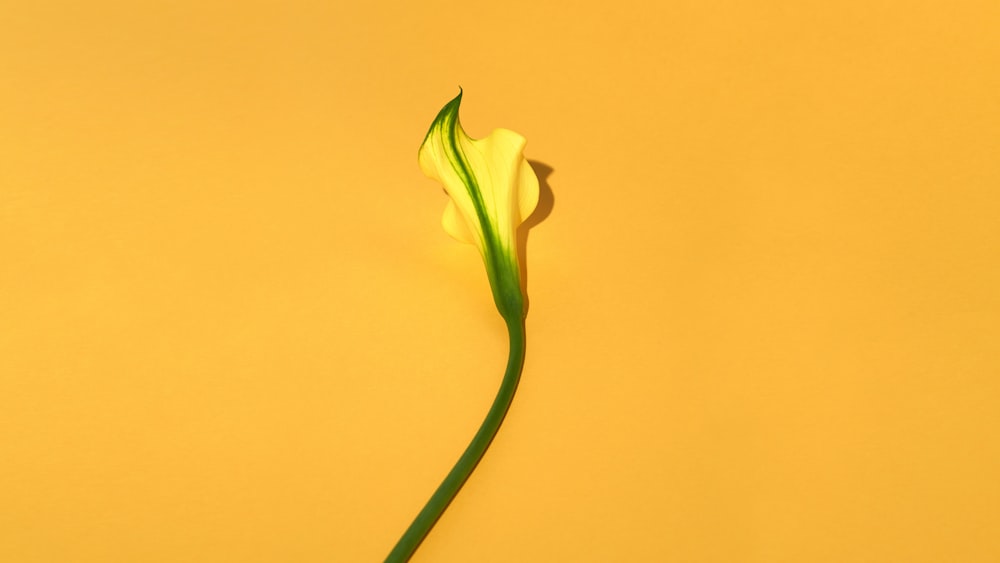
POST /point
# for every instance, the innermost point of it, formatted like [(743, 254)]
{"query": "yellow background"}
[(765, 315)]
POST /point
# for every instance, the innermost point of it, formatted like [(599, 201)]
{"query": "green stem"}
[(445, 492)]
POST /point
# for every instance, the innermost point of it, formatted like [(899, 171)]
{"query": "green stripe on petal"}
[(493, 189)]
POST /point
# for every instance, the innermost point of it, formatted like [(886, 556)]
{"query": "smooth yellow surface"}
[(765, 303)]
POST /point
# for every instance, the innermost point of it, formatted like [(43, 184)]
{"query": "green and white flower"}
[(493, 190)]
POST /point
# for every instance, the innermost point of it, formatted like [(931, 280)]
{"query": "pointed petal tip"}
[(447, 117), (456, 101)]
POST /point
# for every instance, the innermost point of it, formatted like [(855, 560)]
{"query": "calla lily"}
[(493, 190)]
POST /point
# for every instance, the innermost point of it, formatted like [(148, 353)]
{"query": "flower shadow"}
[(546, 201)]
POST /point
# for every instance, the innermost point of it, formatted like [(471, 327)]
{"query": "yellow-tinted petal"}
[(455, 224), (493, 190)]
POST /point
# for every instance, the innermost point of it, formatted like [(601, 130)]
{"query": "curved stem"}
[(445, 492)]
